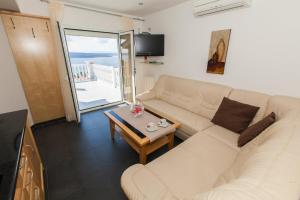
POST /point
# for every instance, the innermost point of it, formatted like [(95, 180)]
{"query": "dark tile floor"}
[(81, 161)]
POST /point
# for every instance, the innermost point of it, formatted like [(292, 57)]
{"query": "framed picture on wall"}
[(219, 44)]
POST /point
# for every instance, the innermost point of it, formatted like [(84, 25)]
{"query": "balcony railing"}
[(95, 72)]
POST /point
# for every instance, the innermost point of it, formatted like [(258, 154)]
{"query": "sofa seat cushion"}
[(223, 135), (191, 123), (188, 169), (266, 168), (138, 182)]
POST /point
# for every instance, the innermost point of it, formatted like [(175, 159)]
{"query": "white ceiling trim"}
[(98, 10)]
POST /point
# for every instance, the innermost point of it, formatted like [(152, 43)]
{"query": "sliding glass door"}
[(94, 59)]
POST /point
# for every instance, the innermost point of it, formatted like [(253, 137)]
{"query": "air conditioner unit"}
[(204, 7)]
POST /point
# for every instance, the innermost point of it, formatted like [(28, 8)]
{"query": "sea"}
[(108, 59)]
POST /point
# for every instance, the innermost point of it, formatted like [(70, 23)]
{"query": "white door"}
[(69, 70), (127, 51)]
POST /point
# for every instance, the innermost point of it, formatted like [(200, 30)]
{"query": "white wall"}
[(84, 19), (12, 96), (263, 53), (33, 7)]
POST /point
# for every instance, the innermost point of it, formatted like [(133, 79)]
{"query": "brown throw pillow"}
[(253, 131), (234, 115)]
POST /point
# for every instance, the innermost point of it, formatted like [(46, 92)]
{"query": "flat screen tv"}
[(149, 45)]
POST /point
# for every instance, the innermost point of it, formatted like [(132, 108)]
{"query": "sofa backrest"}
[(267, 167), (252, 98), (281, 105), (196, 96), (204, 98)]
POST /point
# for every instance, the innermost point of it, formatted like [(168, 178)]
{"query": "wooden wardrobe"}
[(33, 47)]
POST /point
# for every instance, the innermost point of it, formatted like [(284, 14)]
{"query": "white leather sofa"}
[(209, 165)]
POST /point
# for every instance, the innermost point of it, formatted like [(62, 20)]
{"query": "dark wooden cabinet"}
[(30, 181)]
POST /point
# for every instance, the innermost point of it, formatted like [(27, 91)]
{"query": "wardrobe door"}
[(45, 58), (34, 51)]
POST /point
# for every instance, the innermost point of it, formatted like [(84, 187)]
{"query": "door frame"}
[(62, 34), (70, 72)]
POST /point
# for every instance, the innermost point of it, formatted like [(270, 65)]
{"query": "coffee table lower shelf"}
[(142, 146)]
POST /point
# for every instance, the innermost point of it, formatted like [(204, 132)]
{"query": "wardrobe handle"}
[(33, 34), (12, 22), (47, 26)]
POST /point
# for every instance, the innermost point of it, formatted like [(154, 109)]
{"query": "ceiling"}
[(9, 5), (130, 7)]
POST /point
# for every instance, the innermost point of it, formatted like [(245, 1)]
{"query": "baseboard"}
[(49, 123)]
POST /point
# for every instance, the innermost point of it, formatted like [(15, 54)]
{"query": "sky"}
[(92, 44)]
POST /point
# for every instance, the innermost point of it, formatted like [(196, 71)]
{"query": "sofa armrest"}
[(139, 183), (146, 95)]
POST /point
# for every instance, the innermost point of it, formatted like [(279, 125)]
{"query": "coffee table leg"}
[(171, 141), (143, 155), (112, 130)]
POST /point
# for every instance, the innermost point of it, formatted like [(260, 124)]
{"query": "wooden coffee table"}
[(138, 141)]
